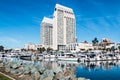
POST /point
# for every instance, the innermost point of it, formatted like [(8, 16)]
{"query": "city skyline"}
[(20, 20)]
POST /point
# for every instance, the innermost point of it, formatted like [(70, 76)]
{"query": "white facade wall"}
[(46, 36), (79, 46), (85, 46), (63, 26), (30, 46)]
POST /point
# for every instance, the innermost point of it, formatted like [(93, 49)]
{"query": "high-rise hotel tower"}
[(64, 26), (46, 35)]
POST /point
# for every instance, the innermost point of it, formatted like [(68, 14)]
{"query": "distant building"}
[(31, 46), (64, 27), (106, 43), (46, 36), (83, 46)]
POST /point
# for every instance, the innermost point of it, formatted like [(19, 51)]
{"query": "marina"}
[(60, 40), (89, 70)]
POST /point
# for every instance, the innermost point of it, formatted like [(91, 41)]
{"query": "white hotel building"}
[(62, 26), (46, 35)]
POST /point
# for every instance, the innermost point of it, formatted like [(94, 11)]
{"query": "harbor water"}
[(100, 70)]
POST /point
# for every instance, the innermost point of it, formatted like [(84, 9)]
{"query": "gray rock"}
[(42, 77), (67, 73), (1, 64), (48, 78), (7, 69), (15, 66), (59, 75), (19, 63), (31, 65), (8, 64), (27, 72), (33, 70), (1, 60), (12, 71), (41, 69), (20, 72), (37, 75), (27, 77), (58, 69), (48, 73)]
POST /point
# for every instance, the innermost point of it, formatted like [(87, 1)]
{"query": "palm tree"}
[(85, 41), (49, 49), (41, 49), (1, 48), (113, 48), (95, 42)]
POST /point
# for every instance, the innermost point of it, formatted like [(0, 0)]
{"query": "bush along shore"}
[(29, 71)]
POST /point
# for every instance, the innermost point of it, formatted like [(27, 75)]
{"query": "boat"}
[(50, 56), (25, 56), (67, 57)]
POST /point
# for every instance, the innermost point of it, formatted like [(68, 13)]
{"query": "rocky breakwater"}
[(29, 71)]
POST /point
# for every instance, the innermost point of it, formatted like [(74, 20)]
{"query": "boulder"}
[(1, 60), (27, 77), (58, 69), (48, 73), (41, 69), (15, 66), (42, 77), (67, 73), (13, 71), (20, 72), (1, 64), (7, 69), (31, 65), (59, 76), (27, 72), (48, 78), (37, 75), (33, 70), (74, 78)]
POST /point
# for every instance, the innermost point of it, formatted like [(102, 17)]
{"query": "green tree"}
[(95, 42), (1, 48), (113, 48), (41, 49), (49, 49), (85, 41)]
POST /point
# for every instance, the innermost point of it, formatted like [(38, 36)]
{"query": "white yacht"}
[(51, 56), (67, 57)]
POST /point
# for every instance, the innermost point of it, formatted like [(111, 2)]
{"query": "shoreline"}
[(9, 75), (6, 76), (24, 71)]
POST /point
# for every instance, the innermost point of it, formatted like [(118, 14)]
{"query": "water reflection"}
[(91, 70), (100, 70), (104, 70)]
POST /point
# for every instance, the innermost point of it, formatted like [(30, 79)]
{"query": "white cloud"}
[(9, 40), (37, 20)]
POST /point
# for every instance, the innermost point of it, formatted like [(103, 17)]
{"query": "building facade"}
[(82, 46), (30, 46), (64, 27), (46, 36)]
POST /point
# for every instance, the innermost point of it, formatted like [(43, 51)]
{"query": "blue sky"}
[(20, 19)]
